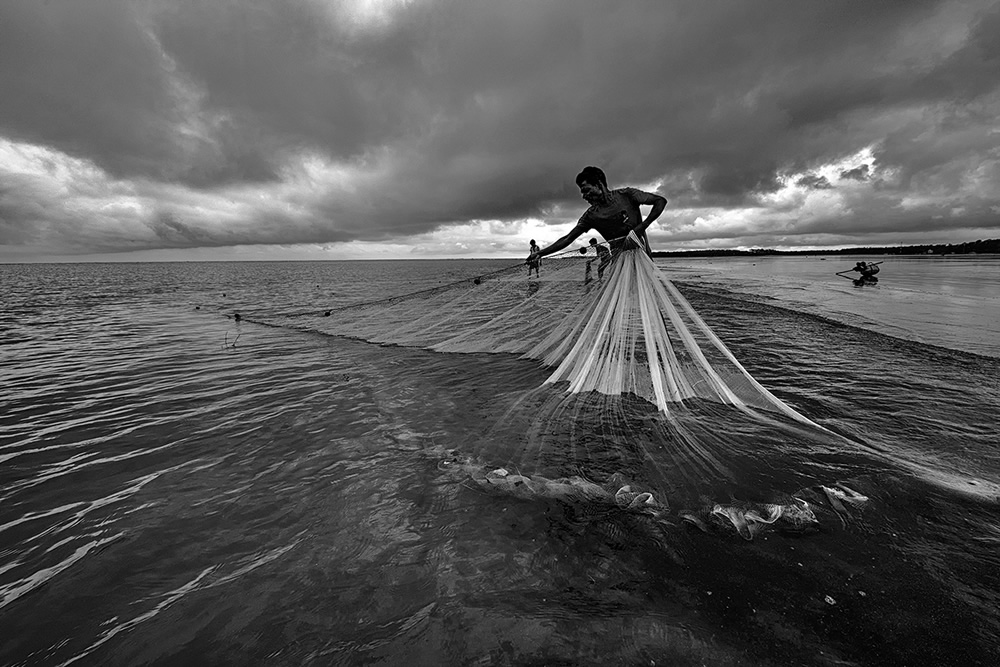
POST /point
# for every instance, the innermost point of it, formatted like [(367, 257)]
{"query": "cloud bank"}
[(186, 129)]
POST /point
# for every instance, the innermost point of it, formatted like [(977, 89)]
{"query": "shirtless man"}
[(612, 213)]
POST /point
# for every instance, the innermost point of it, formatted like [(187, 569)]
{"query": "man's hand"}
[(532, 258)]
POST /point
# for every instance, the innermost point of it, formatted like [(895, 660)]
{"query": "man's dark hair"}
[(592, 175)]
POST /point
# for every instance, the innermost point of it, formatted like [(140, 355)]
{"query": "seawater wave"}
[(180, 487)]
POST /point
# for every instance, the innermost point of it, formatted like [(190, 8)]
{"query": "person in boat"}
[(612, 213), (533, 249), (866, 270)]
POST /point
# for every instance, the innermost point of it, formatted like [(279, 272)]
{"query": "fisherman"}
[(612, 213), (603, 257), (866, 270), (536, 264)]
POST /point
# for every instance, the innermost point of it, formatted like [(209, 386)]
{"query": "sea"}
[(179, 486)]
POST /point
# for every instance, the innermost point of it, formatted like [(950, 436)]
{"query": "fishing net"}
[(631, 331), (633, 379)]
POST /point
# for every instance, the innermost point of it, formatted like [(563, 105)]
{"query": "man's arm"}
[(573, 235), (648, 199)]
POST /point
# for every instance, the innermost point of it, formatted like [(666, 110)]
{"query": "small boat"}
[(866, 270)]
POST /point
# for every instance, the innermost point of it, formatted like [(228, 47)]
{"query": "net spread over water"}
[(629, 332)]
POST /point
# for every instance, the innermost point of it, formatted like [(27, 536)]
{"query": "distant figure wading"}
[(612, 213), (536, 264), (603, 257)]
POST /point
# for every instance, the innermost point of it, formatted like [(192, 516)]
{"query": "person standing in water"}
[(603, 257), (536, 264), (612, 213)]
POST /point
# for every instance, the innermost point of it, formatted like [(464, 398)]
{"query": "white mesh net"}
[(631, 332), (612, 373)]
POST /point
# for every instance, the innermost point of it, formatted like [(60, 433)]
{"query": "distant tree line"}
[(989, 246)]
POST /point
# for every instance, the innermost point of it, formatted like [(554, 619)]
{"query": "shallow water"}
[(182, 488), (951, 300)]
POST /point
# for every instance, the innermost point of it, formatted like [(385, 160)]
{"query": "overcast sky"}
[(324, 129)]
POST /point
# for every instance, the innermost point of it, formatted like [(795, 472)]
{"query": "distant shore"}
[(982, 247)]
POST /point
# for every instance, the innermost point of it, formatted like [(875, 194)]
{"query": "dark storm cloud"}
[(857, 174), (172, 231), (90, 79), (971, 70), (814, 182), (271, 121)]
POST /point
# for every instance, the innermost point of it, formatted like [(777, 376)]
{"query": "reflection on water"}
[(170, 496)]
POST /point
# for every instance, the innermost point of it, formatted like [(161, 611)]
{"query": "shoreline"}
[(987, 247)]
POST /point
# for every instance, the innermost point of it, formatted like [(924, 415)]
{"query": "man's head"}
[(532, 241), (592, 183), (592, 175)]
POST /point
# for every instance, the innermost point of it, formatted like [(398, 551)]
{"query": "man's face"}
[(590, 192)]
